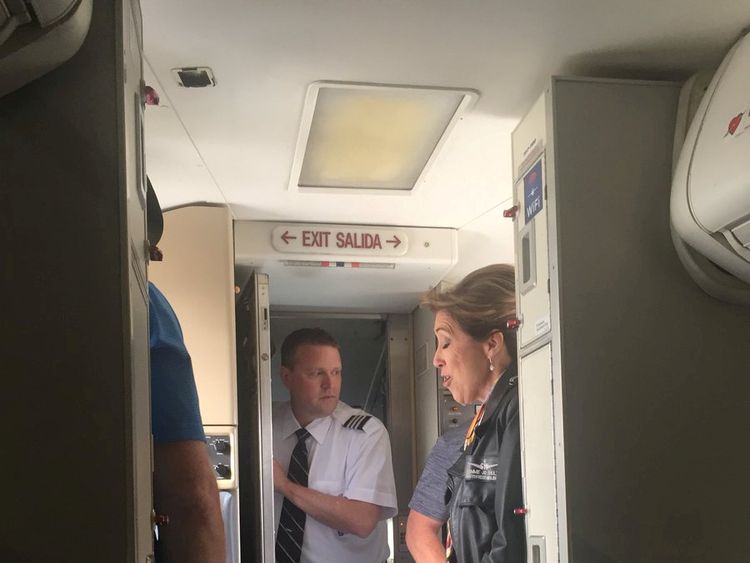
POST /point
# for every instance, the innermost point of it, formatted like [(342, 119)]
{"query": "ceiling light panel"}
[(370, 137)]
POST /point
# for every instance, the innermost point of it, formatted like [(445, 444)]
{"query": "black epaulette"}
[(357, 421)]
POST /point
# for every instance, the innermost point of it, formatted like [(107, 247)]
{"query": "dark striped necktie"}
[(292, 522)]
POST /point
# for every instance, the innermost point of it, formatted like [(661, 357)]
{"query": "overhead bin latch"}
[(150, 96)]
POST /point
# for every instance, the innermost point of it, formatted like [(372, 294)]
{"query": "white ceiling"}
[(235, 143)]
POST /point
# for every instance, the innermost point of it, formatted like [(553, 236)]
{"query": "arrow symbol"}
[(286, 238), (395, 241)]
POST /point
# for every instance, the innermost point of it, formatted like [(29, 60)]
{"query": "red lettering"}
[(317, 239), (358, 240)]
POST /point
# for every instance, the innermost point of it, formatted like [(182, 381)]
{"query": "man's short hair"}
[(310, 336)]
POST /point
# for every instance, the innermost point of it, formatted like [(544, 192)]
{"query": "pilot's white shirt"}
[(352, 461)]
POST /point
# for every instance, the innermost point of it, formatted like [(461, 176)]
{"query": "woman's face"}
[(462, 361)]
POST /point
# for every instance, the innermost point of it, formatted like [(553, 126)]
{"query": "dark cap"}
[(154, 219)]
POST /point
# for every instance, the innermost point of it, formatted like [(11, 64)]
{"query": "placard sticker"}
[(533, 192), (541, 326)]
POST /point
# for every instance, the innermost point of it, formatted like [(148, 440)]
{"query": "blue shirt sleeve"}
[(429, 494), (175, 412)]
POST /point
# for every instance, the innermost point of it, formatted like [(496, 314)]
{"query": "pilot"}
[(332, 463), (186, 496)]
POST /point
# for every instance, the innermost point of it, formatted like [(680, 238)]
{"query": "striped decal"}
[(357, 421)]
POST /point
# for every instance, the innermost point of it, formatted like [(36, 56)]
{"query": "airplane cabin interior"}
[(324, 164)]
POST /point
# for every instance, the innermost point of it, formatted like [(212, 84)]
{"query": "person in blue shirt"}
[(185, 490), (175, 412)]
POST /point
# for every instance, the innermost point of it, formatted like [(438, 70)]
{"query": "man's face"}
[(314, 381)]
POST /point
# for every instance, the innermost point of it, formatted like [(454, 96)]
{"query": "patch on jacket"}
[(357, 422), (481, 469)]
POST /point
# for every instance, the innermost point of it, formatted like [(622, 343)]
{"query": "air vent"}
[(194, 77)]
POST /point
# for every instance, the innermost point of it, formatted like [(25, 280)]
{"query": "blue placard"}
[(533, 192)]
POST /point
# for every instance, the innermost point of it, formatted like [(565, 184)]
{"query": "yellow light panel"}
[(375, 137)]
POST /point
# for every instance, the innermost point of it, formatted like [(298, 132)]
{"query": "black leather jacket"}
[(484, 485)]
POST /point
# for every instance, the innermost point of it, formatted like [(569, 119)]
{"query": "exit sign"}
[(339, 239)]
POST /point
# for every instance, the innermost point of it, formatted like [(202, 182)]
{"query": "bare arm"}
[(185, 490), (340, 513), (423, 538)]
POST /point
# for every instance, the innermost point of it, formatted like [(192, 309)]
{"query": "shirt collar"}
[(489, 393), (507, 380), (318, 428)]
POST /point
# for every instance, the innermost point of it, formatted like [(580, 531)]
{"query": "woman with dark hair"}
[(476, 356)]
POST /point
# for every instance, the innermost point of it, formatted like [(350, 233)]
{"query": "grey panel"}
[(254, 432), (400, 405), (654, 371), (399, 421), (426, 389), (75, 349)]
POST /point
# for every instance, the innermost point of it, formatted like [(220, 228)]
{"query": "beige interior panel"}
[(197, 277), (538, 444)]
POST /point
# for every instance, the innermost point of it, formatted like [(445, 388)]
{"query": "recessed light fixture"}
[(374, 138)]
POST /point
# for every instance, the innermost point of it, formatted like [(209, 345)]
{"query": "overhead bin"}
[(710, 203), (37, 36)]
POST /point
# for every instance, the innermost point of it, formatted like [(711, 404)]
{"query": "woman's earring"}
[(492, 368)]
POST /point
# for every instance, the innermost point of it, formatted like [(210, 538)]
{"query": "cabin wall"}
[(426, 386), (400, 422), (488, 239), (643, 433), (656, 402), (76, 461), (197, 277)]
